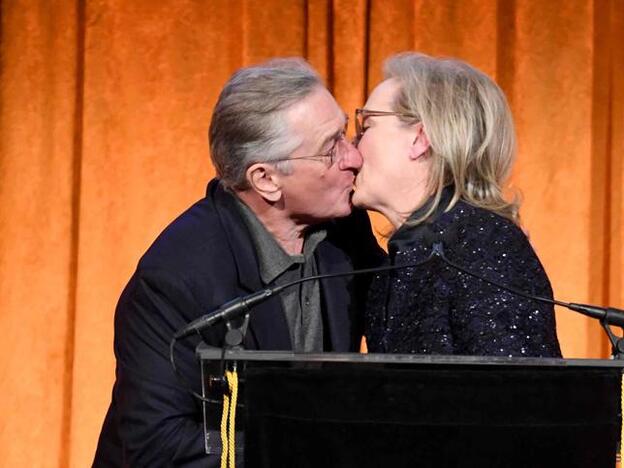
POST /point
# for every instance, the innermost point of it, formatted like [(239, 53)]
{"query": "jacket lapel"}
[(336, 294), (267, 323)]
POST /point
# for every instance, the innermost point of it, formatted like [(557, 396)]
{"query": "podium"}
[(371, 410)]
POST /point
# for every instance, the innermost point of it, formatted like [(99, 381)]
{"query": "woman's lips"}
[(355, 182)]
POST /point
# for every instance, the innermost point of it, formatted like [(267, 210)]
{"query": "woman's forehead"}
[(383, 95)]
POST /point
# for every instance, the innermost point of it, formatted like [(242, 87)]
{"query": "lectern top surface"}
[(209, 353)]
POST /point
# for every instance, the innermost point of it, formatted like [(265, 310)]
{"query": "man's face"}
[(316, 191)]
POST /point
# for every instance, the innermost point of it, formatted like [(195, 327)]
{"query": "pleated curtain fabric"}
[(104, 110)]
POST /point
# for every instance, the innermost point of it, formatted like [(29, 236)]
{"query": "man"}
[(285, 172)]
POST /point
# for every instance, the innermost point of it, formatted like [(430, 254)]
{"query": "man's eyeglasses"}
[(362, 114), (333, 154)]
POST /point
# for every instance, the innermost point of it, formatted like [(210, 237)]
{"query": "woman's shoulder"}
[(486, 241), (478, 226), (469, 233)]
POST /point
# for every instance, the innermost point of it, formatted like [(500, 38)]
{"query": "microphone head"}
[(446, 237)]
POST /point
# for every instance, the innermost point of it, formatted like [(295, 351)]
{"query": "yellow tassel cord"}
[(228, 419), (233, 383), (621, 421), (224, 438)]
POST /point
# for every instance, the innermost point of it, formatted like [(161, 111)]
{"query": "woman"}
[(437, 143)]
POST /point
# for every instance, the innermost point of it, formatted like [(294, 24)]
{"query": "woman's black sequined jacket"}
[(434, 309)]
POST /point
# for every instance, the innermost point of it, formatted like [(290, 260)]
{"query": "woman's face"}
[(389, 172)]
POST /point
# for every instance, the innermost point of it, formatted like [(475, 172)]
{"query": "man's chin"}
[(344, 208), (346, 211)]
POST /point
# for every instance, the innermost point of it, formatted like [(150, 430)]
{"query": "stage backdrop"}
[(105, 106)]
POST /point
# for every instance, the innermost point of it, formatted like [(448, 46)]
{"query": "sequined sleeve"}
[(434, 309), (486, 320)]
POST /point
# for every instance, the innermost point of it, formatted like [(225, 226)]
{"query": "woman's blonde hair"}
[(469, 125)]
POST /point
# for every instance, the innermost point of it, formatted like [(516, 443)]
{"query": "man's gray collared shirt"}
[(302, 303)]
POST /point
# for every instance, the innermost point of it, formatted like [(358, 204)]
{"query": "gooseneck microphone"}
[(608, 315), (239, 306)]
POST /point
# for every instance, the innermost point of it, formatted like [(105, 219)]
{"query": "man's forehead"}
[(319, 101), (317, 114)]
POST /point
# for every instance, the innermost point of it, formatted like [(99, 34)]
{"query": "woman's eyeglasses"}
[(362, 114)]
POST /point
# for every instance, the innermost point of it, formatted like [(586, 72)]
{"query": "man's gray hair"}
[(248, 122)]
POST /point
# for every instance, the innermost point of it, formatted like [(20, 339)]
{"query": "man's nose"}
[(352, 159)]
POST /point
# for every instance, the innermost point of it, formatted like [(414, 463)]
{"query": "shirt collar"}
[(272, 258)]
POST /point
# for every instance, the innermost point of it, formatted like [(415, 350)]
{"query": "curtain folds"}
[(104, 110)]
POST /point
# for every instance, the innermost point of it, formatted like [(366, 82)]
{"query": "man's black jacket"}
[(200, 261)]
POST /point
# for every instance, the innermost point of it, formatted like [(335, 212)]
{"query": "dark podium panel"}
[(354, 410)]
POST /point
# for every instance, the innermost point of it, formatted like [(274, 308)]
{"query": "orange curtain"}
[(104, 109)]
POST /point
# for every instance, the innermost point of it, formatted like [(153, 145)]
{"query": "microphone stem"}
[(243, 304), (277, 289), (440, 253), (607, 315)]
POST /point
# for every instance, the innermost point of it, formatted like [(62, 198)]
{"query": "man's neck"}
[(287, 232)]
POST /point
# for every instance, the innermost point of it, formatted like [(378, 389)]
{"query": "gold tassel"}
[(228, 422)]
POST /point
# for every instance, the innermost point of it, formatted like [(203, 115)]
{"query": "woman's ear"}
[(421, 143), (265, 180)]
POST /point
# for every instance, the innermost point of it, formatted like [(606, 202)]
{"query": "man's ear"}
[(265, 180), (421, 143)]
